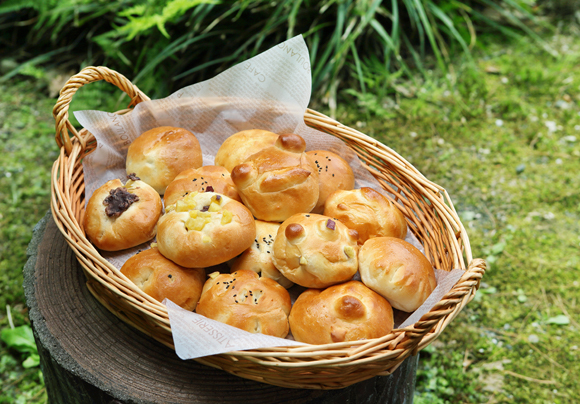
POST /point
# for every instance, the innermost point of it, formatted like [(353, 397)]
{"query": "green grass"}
[(506, 146)]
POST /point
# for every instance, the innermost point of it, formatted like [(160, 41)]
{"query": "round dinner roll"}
[(346, 312), (333, 173), (398, 271), (205, 229), (161, 278), (238, 147), (122, 216), (247, 301), (160, 154), (207, 178), (258, 257), (315, 251), (278, 181), (368, 212)]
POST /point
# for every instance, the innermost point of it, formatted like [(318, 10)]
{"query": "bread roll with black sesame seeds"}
[(247, 301), (333, 173), (161, 278)]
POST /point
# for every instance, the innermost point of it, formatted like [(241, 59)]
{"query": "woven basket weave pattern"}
[(427, 207)]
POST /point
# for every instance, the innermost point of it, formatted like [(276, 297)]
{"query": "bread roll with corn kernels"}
[(346, 312), (278, 181), (315, 251), (334, 173), (207, 178), (258, 257), (368, 212), (238, 147), (205, 229), (246, 301), (122, 216)]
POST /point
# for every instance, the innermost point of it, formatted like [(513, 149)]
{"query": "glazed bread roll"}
[(160, 154), (238, 147), (207, 178), (246, 301), (346, 312), (258, 257), (368, 212), (333, 173), (161, 278), (205, 229), (315, 251), (122, 216), (278, 181), (397, 271)]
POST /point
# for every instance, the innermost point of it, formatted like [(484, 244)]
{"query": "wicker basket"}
[(427, 207)]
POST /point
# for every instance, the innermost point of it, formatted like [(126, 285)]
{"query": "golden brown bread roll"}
[(333, 173), (315, 251), (199, 179), (346, 312), (397, 271), (161, 278), (258, 257), (119, 217), (368, 212), (278, 181), (238, 147), (246, 301), (205, 229), (160, 154)]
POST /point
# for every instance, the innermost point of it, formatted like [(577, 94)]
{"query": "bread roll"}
[(238, 147), (315, 251), (161, 278), (246, 301), (279, 181), (368, 212), (258, 257), (346, 312), (199, 179), (160, 154), (333, 173), (397, 271), (205, 229), (122, 216)]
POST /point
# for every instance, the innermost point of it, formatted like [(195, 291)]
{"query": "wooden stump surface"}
[(90, 356)]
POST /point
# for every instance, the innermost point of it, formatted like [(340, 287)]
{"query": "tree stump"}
[(89, 356)]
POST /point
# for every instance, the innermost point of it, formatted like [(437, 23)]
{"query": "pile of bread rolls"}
[(277, 216)]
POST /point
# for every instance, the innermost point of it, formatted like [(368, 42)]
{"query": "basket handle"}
[(85, 76)]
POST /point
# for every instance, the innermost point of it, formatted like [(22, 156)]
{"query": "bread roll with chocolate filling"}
[(346, 312), (122, 216), (334, 173), (246, 301), (315, 251), (368, 212), (279, 181), (238, 147), (397, 271), (161, 278), (207, 178), (160, 154)]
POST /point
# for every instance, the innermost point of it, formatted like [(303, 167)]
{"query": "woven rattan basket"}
[(427, 207)]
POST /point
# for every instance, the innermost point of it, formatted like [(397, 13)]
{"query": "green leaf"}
[(559, 320), (489, 291), (498, 248), (32, 361), (19, 338)]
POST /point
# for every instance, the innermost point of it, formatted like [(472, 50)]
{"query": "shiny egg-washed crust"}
[(346, 312), (368, 212), (238, 147), (160, 154), (134, 226), (258, 257), (246, 301), (224, 241), (397, 271), (308, 252), (198, 179), (278, 181), (161, 278), (333, 173)]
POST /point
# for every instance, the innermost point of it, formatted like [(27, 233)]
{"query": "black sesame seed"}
[(169, 276), (195, 179)]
